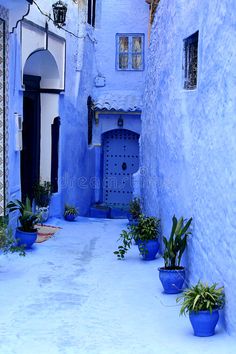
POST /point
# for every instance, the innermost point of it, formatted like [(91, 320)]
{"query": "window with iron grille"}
[(129, 51), (190, 65), (91, 12)]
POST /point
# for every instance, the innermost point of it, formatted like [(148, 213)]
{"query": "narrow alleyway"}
[(70, 295)]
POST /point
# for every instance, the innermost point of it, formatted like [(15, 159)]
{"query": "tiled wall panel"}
[(3, 106)]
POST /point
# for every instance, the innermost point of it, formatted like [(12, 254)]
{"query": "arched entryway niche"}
[(42, 63), (120, 162), (40, 107)]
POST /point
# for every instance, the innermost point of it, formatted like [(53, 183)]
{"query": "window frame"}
[(130, 53), (187, 68)]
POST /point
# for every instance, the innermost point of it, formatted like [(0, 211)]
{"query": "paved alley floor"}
[(70, 295)]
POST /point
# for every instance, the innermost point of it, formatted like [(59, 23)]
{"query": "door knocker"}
[(124, 166)]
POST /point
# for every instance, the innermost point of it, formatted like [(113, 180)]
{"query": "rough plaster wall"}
[(118, 17), (188, 141), (77, 158)]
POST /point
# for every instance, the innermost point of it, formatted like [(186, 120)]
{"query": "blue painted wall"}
[(120, 17), (191, 136), (77, 158), (15, 105)]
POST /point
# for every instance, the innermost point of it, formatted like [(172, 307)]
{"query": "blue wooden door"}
[(121, 160)]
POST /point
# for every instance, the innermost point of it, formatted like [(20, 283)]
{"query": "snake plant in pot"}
[(202, 302), (26, 233), (172, 275)]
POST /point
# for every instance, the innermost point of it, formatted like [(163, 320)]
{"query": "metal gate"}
[(121, 160)]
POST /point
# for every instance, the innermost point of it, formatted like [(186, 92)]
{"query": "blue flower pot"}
[(26, 239), (148, 249), (204, 322), (70, 217), (172, 279)]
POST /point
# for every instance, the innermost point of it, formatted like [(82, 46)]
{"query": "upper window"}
[(190, 61), (130, 51), (91, 12)]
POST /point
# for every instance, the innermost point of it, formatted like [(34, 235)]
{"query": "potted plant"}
[(202, 302), (42, 193), (70, 212), (7, 241), (172, 275), (134, 211), (26, 233), (145, 233)]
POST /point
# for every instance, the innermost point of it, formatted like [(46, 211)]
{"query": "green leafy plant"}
[(26, 217), (126, 237), (201, 297), (42, 193), (176, 244), (70, 210), (146, 229), (135, 208), (7, 241)]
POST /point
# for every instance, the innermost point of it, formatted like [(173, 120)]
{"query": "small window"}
[(130, 51), (190, 61), (91, 12)]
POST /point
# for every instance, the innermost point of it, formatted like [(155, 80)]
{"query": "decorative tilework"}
[(3, 107)]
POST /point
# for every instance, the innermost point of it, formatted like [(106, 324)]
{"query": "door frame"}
[(29, 177), (102, 157)]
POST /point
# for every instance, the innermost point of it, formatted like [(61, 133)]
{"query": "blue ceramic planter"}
[(148, 249), (204, 322), (172, 280), (70, 217), (25, 239)]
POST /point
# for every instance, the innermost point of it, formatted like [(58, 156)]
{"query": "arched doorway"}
[(40, 107), (120, 162)]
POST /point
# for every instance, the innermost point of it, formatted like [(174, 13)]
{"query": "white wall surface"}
[(49, 111)]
